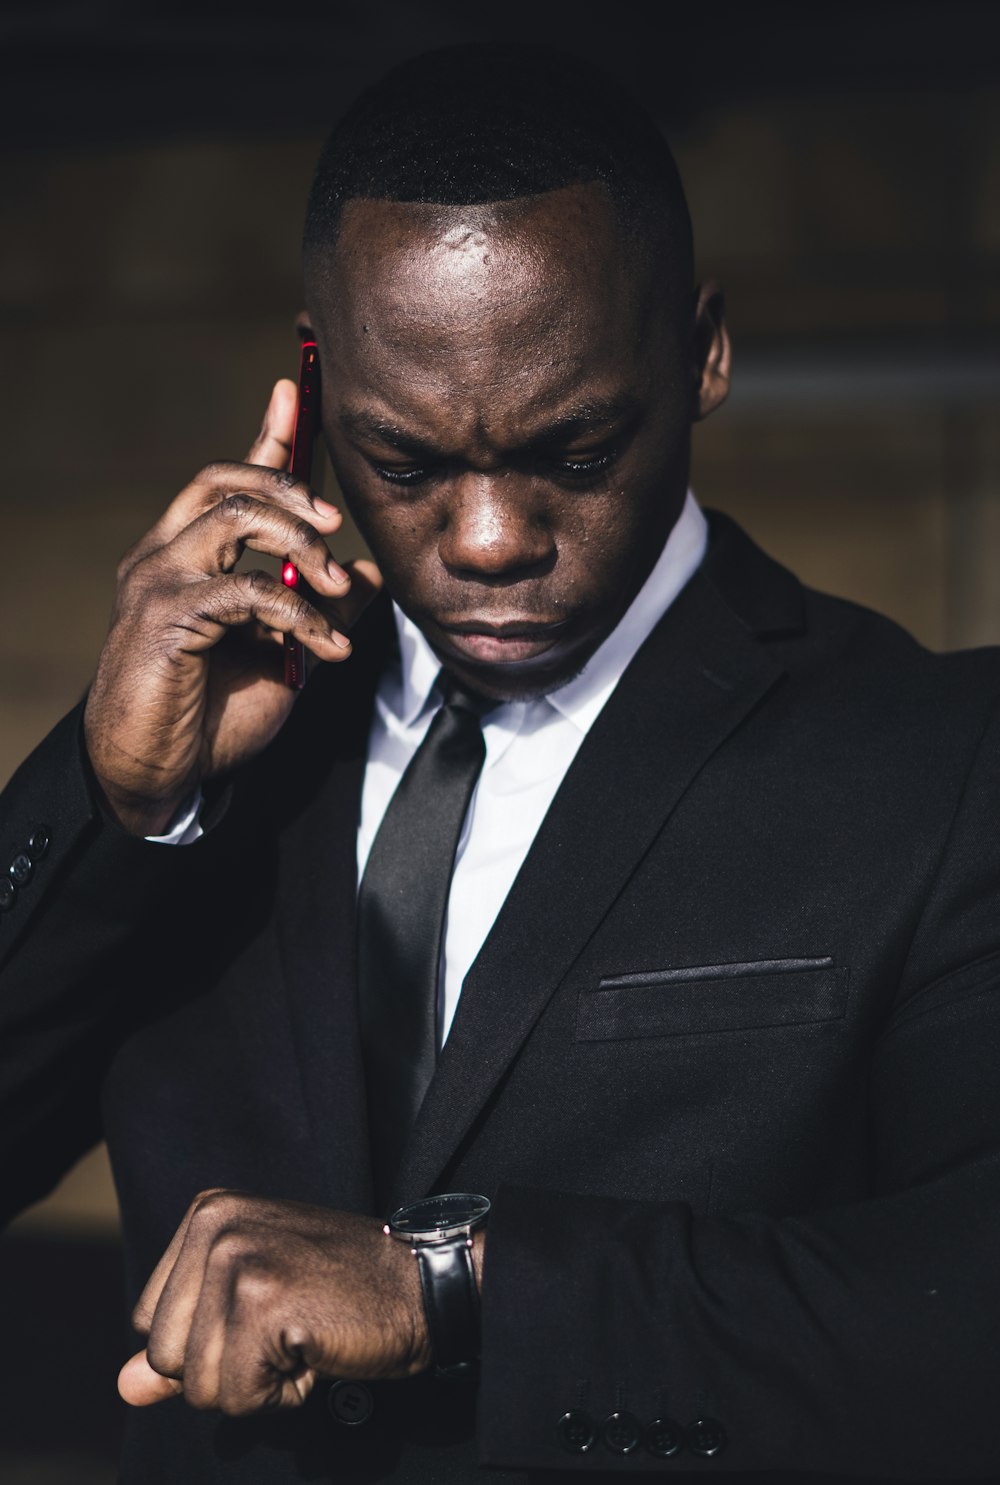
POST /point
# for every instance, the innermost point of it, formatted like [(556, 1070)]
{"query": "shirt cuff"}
[(185, 827)]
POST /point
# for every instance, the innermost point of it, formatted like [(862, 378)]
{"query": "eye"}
[(582, 467), (401, 476)]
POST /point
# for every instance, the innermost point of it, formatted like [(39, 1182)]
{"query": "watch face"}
[(440, 1214)]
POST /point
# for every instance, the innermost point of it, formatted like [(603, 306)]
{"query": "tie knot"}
[(455, 694)]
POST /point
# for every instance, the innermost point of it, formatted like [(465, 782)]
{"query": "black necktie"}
[(401, 909)]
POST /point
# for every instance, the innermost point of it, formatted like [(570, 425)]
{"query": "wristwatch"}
[(439, 1230)]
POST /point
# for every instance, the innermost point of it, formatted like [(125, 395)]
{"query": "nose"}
[(495, 526)]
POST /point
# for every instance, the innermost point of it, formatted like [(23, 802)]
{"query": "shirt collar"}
[(582, 698)]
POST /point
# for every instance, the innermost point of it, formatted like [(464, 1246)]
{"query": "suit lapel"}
[(699, 674)]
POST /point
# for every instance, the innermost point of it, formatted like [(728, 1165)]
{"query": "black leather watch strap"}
[(451, 1301)]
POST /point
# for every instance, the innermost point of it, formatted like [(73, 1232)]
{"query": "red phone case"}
[(307, 415)]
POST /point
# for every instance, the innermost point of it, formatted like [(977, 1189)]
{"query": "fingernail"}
[(337, 573), (324, 508), (340, 640)]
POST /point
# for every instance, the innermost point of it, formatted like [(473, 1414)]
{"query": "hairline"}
[(640, 244)]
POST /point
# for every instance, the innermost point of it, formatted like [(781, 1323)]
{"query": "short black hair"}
[(494, 122)]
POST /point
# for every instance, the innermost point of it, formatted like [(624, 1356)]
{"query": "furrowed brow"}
[(367, 425), (585, 417), (592, 416)]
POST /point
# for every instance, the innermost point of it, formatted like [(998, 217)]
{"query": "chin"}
[(518, 680)]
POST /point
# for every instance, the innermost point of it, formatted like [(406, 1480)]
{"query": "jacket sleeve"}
[(79, 894), (859, 1341)]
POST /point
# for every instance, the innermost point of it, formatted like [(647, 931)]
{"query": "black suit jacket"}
[(727, 1062)]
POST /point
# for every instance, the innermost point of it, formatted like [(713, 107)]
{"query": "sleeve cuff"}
[(185, 827)]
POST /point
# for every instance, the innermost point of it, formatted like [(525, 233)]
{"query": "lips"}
[(502, 643)]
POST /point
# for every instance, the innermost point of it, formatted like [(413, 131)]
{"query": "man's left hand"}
[(255, 1299)]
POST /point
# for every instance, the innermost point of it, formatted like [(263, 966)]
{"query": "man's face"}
[(507, 402)]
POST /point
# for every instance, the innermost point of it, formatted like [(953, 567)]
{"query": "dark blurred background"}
[(843, 167)]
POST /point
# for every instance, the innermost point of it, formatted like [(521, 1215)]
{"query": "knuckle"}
[(126, 590), (212, 1208), (198, 1395), (133, 570), (257, 582), (236, 506), (209, 1194), (254, 1286), (307, 535), (127, 562), (215, 472), (232, 1249), (303, 613), (214, 1201), (161, 1357)]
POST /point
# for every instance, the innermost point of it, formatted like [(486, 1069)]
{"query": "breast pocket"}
[(713, 997)]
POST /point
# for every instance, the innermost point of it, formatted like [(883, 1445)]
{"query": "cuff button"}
[(664, 1438), (576, 1432), (621, 1433), (7, 894), (350, 1402), (38, 842), (705, 1437), (21, 870)]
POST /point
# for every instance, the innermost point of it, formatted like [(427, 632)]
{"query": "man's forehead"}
[(505, 313), (404, 250)]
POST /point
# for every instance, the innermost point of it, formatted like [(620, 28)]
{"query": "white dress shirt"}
[(529, 747)]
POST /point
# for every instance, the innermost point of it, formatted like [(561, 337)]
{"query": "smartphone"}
[(307, 426)]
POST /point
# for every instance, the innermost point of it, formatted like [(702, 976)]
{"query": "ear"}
[(712, 353)]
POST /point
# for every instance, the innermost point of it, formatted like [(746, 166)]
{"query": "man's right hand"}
[(190, 681)]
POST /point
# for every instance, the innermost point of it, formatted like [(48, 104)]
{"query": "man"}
[(708, 1007)]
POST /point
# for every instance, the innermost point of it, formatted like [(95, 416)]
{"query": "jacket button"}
[(350, 1402), (576, 1432), (664, 1438), (621, 1433), (7, 894), (38, 842), (20, 869), (706, 1436)]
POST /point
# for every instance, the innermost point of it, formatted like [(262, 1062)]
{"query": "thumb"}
[(273, 444), (140, 1385)]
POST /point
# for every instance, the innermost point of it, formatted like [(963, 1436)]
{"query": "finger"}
[(189, 1300), (216, 540), (366, 582), (273, 444), (263, 1365), (235, 1355), (145, 1308), (217, 481), (140, 1386), (257, 1387), (202, 1323), (212, 607)]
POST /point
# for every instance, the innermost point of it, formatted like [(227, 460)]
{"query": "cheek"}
[(401, 537), (603, 532)]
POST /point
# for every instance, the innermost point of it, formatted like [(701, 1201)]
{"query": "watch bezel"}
[(416, 1222)]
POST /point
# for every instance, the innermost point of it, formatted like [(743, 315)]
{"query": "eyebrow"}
[(582, 417), (367, 425)]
